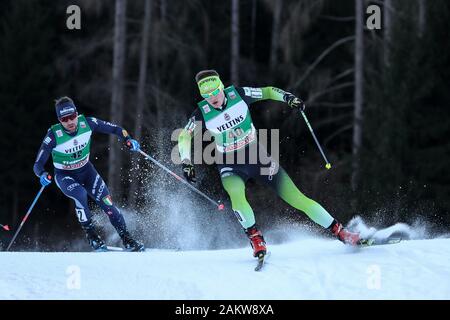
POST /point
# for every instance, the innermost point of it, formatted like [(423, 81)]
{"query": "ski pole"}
[(28, 213), (6, 227), (220, 206), (328, 164)]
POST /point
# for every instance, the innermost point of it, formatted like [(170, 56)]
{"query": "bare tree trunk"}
[(275, 33), (253, 27), (358, 94), (115, 162), (235, 42), (206, 35), (141, 101), (422, 17), (160, 64), (387, 16), (163, 9)]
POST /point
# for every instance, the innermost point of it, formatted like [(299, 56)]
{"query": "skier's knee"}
[(235, 191)]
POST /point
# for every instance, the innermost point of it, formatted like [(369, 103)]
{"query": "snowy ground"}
[(309, 268)]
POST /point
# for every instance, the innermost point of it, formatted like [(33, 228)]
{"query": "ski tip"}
[(118, 249), (395, 240), (375, 242), (261, 260), (109, 248)]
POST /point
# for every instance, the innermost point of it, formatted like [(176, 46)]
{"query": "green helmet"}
[(209, 83)]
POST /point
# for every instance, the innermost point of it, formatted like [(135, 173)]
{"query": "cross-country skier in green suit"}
[(225, 113)]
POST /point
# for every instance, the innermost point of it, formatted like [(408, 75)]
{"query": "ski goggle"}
[(213, 93), (69, 117)]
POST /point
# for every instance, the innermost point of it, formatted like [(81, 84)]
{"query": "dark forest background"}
[(378, 101)]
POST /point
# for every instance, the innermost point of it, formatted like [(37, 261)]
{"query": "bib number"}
[(235, 133), (77, 154)]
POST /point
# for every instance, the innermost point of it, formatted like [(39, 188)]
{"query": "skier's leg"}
[(277, 178), (288, 191), (283, 185), (235, 187), (74, 190), (115, 216), (98, 191)]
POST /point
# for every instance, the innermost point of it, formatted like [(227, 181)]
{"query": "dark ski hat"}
[(64, 106)]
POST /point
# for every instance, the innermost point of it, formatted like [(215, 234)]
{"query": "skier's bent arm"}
[(44, 153), (185, 137), (273, 93), (251, 95), (101, 126), (184, 145)]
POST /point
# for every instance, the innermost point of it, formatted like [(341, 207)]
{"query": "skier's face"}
[(216, 101), (70, 123)]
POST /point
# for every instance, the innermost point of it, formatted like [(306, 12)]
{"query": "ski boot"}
[(257, 241), (94, 239), (129, 243), (344, 235)]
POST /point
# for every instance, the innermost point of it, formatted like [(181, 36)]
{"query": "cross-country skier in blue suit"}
[(68, 142)]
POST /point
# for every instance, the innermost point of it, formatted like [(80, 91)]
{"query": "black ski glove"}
[(188, 171), (294, 102)]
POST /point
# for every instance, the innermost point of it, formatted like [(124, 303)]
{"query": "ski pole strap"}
[(220, 206), (25, 217), (327, 163)]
